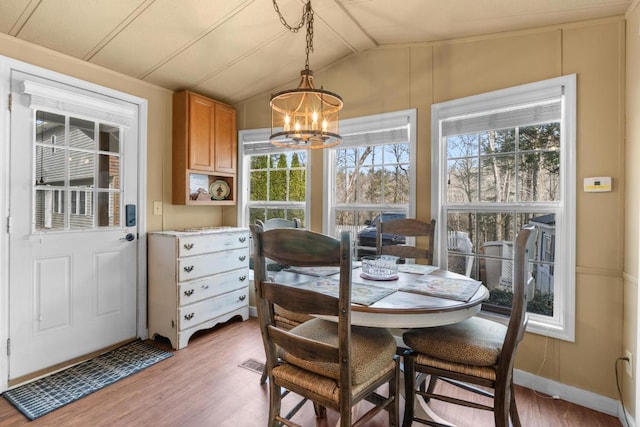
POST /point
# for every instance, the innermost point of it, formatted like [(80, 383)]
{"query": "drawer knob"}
[(242, 239), (242, 257), (188, 246), (188, 316), (243, 278), (188, 292), (188, 268), (242, 297)]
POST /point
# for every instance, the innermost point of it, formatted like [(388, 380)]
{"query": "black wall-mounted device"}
[(130, 213)]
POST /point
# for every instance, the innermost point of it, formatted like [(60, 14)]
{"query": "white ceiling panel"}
[(75, 27), (427, 20), (165, 29), (244, 79), (235, 49), (241, 37), (13, 13)]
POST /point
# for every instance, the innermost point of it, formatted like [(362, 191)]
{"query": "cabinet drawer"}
[(196, 245), (199, 289), (190, 268), (208, 309)]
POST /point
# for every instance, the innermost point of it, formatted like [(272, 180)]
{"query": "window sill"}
[(536, 325)]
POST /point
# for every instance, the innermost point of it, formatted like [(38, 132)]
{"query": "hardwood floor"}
[(203, 386)]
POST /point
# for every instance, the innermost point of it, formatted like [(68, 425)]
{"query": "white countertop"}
[(194, 231)]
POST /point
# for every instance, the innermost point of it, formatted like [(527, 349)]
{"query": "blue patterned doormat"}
[(44, 395)]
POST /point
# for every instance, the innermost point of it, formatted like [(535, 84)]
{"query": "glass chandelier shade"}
[(305, 117)]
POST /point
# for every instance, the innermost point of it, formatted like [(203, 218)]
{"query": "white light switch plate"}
[(157, 207)]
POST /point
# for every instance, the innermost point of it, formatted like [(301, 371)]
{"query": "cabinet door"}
[(201, 133), (226, 139)]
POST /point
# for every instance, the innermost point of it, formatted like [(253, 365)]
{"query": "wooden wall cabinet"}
[(204, 150)]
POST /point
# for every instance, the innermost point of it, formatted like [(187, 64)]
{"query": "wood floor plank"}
[(202, 385)]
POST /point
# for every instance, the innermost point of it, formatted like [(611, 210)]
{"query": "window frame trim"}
[(362, 124), (562, 325), (244, 179)]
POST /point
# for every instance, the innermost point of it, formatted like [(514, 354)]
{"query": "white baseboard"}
[(573, 394), (631, 423)]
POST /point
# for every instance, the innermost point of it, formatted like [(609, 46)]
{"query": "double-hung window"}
[(370, 176), (273, 181), (502, 160)]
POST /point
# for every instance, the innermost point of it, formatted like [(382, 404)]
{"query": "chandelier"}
[(305, 117)]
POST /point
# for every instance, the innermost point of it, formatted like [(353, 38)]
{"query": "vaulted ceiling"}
[(234, 49)]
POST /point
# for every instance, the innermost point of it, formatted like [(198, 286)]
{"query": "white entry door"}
[(73, 234)]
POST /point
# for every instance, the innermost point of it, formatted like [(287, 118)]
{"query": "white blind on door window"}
[(59, 100)]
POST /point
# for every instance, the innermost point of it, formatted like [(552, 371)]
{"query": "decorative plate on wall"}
[(219, 190)]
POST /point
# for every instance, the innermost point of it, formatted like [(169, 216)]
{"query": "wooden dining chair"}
[(284, 318), (475, 352), (404, 228), (272, 223), (330, 362)]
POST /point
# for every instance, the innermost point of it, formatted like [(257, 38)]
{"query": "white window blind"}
[(374, 130), (255, 144), (526, 115)]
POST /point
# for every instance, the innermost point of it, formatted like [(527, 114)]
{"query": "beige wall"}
[(632, 201), (158, 130), (416, 76)]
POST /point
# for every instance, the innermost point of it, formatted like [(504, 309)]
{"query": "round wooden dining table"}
[(400, 309), (403, 310)]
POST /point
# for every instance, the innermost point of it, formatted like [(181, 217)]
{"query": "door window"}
[(77, 173)]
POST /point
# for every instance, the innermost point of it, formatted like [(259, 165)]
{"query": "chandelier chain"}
[(307, 18)]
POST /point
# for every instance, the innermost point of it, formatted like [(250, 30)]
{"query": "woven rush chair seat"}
[(476, 354), (371, 350), (475, 341), (319, 385), (330, 362), (471, 347)]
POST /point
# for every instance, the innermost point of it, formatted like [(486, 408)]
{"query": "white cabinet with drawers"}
[(197, 279)]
